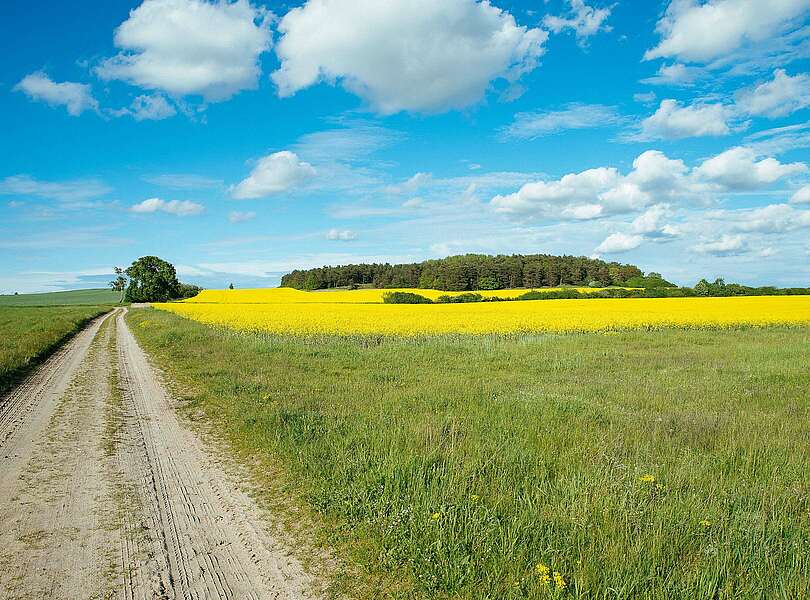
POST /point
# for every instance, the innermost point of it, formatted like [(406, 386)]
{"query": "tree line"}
[(470, 272)]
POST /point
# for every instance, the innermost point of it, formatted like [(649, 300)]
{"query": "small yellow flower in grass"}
[(705, 524), (436, 516), (559, 581), (475, 497), (545, 579), (647, 478), (541, 569)]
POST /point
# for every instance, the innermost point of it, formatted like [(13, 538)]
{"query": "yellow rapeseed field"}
[(288, 311)]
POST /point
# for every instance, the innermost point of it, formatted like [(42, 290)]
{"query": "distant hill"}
[(470, 272), (74, 297)]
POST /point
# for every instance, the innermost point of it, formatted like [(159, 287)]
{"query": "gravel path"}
[(104, 493)]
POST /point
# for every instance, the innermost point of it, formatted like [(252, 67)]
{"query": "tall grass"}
[(666, 464), (30, 334)]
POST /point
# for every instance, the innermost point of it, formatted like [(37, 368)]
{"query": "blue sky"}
[(240, 140)]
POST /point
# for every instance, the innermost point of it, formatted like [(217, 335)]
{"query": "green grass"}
[(96, 297), (30, 334), (449, 467)]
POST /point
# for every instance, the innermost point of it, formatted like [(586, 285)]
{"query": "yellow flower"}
[(475, 497), (647, 478), (436, 516), (559, 581), (705, 524), (541, 569), (545, 579)]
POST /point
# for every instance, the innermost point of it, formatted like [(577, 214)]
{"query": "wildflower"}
[(541, 569), (559, 581), (647, 478), (545, 579), (436, 516), (475, 497), (705, 524)]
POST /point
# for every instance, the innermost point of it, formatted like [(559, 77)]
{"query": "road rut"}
[(104, 493)]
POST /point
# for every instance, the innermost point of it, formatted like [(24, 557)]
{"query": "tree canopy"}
[(152, 279), (470, 272)]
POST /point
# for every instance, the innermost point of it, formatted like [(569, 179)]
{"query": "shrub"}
[(405, 298), (460, 298)]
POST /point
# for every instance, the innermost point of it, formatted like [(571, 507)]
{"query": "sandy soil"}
[(104, 493)]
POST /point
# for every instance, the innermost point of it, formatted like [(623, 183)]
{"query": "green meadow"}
[(74, 297), (661, 464), (30, 334)]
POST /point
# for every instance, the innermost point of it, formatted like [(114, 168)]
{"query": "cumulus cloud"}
[(802, 196), (603, 191), (696, 31), (65, 191), (147, 108), (533, 125), (273, 174), (180, 208), (654, 183), (675, 74), (236, 216), (616, 243), (739, 169), (75, 97), (726, 245), (191, 47), (404, 55), (674, 121), (776, 98), (584, 20), (341, 235), (651, 222), (774, 218)]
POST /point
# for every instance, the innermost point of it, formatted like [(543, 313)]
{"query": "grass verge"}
[(30, 334), (665, 464)]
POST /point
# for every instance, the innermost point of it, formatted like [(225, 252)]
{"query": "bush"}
[(461, 298), (405, 298)]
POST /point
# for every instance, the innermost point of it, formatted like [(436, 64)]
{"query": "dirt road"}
[(104, 493)]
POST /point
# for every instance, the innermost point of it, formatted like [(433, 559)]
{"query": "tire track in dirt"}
[(207, 538), (105, 494)]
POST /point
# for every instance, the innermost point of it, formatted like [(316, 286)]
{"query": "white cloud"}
[(650, 222), (151, 108), (273, 174), (675, 74), (532, 125), (673, 121), (181, 208), (191, 47), (619, 242), (739, 169), (776, 98), (411, 185), (411, 55), (583, 19), (780, 139), (727, 245), (703, 31), (65, 191), (603, 191), (75, 97), (775, 218), (645, 97), (802, 196), (341, 235), (236, 216)]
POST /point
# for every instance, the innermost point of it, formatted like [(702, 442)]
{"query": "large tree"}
[(152, 279)]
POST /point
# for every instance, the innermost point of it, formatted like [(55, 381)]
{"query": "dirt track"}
[(105, 494)]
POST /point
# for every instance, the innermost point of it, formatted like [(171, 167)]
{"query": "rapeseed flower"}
[(559, 581), (647, 478), (360, 312)]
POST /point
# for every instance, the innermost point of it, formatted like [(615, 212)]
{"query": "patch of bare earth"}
[(105, 494)]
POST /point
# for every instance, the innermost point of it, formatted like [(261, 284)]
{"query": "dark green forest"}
[(470, 272)]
